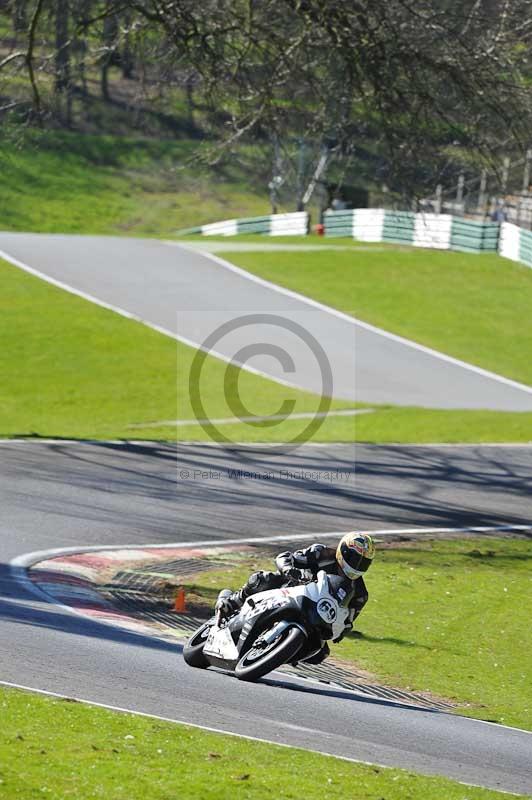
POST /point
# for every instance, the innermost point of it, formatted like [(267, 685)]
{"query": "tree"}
[(110, 32), (420, 78), (18, 12), (412, 83)]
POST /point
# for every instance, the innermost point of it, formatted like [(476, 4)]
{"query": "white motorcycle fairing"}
[(276, 627), (220, 643)]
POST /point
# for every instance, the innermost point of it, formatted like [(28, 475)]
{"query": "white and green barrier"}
[(292, 224), (515, 243), (440, 231), (475, 237)]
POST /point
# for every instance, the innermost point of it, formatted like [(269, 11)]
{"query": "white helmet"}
[(354, 554)]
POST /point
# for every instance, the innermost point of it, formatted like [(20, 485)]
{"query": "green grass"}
[(285, 242), (473, 307), (393, 424), (89, 373), (425, 425), (63, 182), (447, 616), (62, 749), (72, 369)]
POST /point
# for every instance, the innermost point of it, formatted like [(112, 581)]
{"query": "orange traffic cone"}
[(180, 605)]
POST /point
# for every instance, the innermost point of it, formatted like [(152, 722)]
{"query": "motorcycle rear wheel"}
[(193, 649), (253, 666)]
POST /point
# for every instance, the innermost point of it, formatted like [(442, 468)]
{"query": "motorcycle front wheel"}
[(193, 649), (259, 660)]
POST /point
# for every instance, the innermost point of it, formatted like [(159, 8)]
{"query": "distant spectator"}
[(499, 215), (338, 204)]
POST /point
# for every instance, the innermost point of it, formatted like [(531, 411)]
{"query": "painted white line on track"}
[(19, 565), (254, 445), (19, 575), (147, 715), (281, 290), (128, 315), (185, 423), (26, 560), (366, 325), (122, 710)]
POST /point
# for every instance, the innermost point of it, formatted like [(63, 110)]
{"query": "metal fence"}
[(503, 194)]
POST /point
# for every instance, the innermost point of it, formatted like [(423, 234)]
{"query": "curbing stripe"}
[(27, 560)]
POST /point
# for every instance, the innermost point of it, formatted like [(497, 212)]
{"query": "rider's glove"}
[(227, 604), (348, 627)]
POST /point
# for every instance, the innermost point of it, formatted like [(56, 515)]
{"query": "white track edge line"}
[(256, 445), (357, 322), (19, 574), (135, 318), (294, 295), (196, 725), (186, 423), (18, 568), (27, 559)]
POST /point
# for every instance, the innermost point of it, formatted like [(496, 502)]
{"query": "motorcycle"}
[(275, 627)]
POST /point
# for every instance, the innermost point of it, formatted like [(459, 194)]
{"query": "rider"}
[(351, 559)]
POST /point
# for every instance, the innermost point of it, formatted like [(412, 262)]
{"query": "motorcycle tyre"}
[(193, 649), (289, 645)]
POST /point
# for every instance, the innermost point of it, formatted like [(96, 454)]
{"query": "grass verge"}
[(72, 369), (66, 182), (445, 616), (66, 749), (473, 307)]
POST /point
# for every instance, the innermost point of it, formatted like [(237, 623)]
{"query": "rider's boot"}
[(315, 658)]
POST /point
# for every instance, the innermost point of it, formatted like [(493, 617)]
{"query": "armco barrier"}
[(292, 224), (368, 224), (440, 231), (525, 247), (398, 227), (516, 243), (474, 237)]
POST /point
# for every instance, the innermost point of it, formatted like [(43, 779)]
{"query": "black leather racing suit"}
[(309, 562)]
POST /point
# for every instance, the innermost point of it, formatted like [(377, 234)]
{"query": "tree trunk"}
[(191, 105), (20, 20), (83, 10), (109, 41), (62, 60), (104, 79), (126, 56)]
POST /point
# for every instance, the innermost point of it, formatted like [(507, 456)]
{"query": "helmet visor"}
[(353, 564)]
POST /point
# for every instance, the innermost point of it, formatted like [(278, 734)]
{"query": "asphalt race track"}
[(65, 494), (189, 294), (71, 494)]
